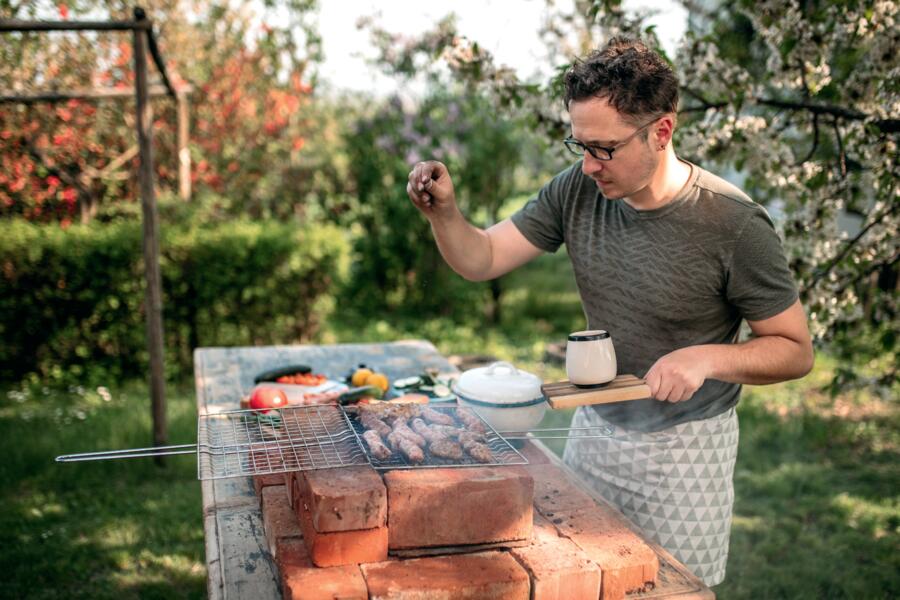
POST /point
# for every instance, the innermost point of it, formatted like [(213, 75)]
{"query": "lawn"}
[(817, 511), (111, 529)]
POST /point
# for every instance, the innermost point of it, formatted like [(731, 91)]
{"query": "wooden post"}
[(184, 153), (153, 296)]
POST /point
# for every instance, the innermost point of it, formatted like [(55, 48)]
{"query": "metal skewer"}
[(529, 434), (130, 453)]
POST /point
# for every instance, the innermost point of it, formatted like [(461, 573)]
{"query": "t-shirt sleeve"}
[(541, 219), (760, 283)]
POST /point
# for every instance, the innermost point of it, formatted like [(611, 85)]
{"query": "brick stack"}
[(330, 532), (342, 513)]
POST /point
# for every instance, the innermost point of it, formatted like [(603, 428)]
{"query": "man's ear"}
[(662, 132)]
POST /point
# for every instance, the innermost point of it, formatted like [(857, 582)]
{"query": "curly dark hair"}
[(635, 80)]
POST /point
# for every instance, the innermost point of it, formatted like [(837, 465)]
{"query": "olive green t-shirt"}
[(658, 280)]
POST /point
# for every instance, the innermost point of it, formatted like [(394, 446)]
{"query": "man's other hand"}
[(678, 375)]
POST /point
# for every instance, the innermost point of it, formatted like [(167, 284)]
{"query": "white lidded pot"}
[(507, 398)]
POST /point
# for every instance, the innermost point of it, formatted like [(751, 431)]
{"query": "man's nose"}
[(590, 165)]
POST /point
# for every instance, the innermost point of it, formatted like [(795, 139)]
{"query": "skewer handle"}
[(129, 453), (558, 433)]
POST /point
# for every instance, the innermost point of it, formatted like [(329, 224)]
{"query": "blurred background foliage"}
[(794, 100), (299, 230)]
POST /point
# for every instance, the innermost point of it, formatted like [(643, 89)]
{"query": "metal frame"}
[(143, 40)]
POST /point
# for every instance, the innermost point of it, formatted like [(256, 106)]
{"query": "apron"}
[(675, 484)]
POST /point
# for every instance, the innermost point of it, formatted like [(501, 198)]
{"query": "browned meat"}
[(434, 416), (430, 434), (403, 429), (412, 452), (471, 421), (389, 412), (376, 446), (479, 452), (446, 449), (370, 421), (467, 437), (446, 431), (403, 411)]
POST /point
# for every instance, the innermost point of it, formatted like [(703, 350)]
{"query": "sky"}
[(506, 28)]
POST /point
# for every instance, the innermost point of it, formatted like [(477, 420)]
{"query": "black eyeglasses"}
[(600, 152)]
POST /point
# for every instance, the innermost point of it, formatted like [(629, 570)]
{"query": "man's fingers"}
[(652, 380), (424, 182), (664, 392), (675, 394), (423, 200)]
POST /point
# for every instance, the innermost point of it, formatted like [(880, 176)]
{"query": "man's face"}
[(596, 123)]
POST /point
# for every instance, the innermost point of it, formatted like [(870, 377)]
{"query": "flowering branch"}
[(850, 114), (890, 210)]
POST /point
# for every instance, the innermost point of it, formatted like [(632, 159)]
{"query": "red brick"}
[(544, 530), (261, 481), (559, 570), (330, 549), (483, 575), (279, 521), (553, 491), (291, 552), (343, 499), (300, 580), (627, 562), (444, 507), (292, 490), (625, 559)]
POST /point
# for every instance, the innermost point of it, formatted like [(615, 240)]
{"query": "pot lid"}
[(500, 383)]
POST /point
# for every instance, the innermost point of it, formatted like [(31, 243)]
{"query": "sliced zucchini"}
[(407, 382)]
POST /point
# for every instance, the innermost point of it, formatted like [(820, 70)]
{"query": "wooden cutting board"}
[(564, 394)]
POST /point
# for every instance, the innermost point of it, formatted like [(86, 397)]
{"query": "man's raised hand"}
[(430, 188)]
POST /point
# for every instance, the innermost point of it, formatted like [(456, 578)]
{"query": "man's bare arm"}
[(474, 253), (781, 350), (480, 255)]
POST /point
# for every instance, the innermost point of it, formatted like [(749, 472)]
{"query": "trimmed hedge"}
[(71, 301)]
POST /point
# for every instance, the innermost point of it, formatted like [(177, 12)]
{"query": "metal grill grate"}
[(501, 450), (298, 438), (244, 442)]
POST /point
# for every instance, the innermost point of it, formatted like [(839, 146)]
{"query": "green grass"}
[(817, 485), (817, 511), (112, 529)]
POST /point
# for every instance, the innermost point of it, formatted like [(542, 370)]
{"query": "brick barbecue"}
[(480, 532)]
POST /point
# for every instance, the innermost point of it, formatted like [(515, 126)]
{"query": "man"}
[(669, 259)]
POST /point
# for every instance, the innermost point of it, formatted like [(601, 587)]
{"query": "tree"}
[(801, 98), (251, 78), (398, 265)]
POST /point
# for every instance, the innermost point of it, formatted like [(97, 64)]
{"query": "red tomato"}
[(264, 398)]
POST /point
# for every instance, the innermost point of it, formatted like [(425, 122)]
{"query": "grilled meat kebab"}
[(376, 446)]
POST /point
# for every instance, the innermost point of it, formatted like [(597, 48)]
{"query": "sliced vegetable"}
[(441, 390), (407, 382), (274, 374), (358, 393)]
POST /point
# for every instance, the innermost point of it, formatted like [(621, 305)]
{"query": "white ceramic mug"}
[(590, 358)]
